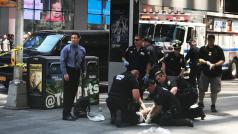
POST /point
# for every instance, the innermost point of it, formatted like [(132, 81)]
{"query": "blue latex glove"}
[(126, 63), (145, 78)]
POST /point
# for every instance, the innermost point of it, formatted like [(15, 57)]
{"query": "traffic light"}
[(7, 3)]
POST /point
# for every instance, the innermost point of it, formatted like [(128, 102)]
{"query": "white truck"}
[(165, 28)]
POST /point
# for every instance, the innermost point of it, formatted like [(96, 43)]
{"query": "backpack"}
[(81, 107)]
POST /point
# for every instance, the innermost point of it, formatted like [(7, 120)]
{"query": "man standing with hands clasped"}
[(72, 64), (211, 58)]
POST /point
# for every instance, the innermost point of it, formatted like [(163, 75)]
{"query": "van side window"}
[(180, 32), (189, 34)]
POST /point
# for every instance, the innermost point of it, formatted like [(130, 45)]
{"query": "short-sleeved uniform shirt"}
[(121, 89), (162, 96), (138, 59), (174, 63), (193, 55), (212, 55)]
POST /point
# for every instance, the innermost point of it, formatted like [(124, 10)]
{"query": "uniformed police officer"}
[(166, 109), (192, 56), (136, 57), (124, 99), (174, 64), (155, 54)]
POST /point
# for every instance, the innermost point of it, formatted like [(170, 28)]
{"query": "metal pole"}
[(19, 40), (17, 93), (131, 13)]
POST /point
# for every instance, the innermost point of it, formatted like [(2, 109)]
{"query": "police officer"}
[(186, 94), (166, 109), (72, 64), (136, 57), (155, 53), (174, 64), (192, 56), (124, 99)]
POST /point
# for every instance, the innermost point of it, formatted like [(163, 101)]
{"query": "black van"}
[(50, 43)]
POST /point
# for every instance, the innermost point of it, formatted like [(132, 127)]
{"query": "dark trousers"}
[(70, 90), (128, 110), (194, 75)]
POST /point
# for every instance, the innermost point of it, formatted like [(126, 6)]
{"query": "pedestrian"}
[(192, 56), (11, 40), (72, 64), (136, 57), (211, 58), (174, 63), (5, 44), (124, 99)]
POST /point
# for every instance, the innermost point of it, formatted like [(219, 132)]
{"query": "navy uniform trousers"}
[(70, 89)]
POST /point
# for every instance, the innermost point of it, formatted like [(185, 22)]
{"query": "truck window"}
[(179, 33), (164, 33), (146, 30), (189, 34)]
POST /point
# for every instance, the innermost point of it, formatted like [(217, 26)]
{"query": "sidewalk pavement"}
[(35, 121)]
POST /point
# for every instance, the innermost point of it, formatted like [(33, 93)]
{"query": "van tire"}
[(233, 70)]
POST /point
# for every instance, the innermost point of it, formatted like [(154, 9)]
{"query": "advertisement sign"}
[(119, 29), (35, 79), (235, 26), (54, 91), (220, 25)]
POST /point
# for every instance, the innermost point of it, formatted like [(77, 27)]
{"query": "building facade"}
[(58, 15)]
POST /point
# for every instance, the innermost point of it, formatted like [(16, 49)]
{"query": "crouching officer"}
[(166, 109), (185, 93), (124, 99)]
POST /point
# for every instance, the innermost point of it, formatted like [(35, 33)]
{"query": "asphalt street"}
[(35, 121)]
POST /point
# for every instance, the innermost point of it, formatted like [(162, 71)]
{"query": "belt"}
[(72, 68)]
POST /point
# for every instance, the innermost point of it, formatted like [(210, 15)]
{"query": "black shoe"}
[(118, 118), (69, 118), (201, 105), (203, 115), (113, 118), (189, 122), (73, 116), (213, 108), (124, 124)]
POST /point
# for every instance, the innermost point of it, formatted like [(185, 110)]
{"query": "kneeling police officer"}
[(124, 99)]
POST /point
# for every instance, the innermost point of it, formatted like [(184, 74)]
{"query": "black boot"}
[(202, 114), (178, 122), (201, 105), (213, 108), (113, 117)]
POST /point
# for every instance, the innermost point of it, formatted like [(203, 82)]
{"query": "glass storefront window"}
[(48, 15), (94, 19), (98, 14)]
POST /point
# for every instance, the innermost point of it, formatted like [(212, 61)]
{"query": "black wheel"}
[(233, 70)]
